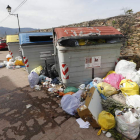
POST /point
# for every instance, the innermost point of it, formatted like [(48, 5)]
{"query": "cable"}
[(19, 6), (14, 10), (4, 19)]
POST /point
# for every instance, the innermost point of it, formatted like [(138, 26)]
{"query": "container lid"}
[(35, 38), (85, 32), (12, 38)]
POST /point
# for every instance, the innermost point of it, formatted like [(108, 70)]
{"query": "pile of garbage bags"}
[(12, 63), (114, 99), (122, 87)]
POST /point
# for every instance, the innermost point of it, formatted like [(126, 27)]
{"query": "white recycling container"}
[(78, 63)]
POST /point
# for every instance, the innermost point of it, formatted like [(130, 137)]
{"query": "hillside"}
[(10, 31), (128, 25)]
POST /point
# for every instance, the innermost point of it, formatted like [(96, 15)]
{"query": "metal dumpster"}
[(78, 62), (13, 45), (35, 48)]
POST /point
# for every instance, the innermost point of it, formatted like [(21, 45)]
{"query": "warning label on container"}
[(93, 62)]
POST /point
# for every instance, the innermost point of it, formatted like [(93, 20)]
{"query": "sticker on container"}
[(93, 62), (96, 61), (88, 62)]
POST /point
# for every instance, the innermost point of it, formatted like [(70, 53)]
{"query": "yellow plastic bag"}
[(110, 72), (37, 70), (106, 89), (19, 62), (106, 120), (81, 42), (129, 88)]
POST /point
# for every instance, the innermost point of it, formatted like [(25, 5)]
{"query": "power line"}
[(19, 6), (22, 3), (4, 19)]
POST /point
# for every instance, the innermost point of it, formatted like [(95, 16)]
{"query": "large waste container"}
[(35, 48), (85, 52), (13, 45)]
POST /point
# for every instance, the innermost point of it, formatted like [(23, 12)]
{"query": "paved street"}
[(44, 120)]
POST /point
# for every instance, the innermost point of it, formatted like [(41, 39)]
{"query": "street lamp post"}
[(9, 10)]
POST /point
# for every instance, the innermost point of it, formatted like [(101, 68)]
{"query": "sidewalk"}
[(44, 120)]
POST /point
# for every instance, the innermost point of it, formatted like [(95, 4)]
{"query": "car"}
[(3, 44)]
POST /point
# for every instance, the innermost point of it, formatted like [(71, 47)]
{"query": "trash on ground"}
[(127, 124), (108, 134), (28, 106), (37, 70), (70, 89), (119, 97), (114, 80), (8, 57), (133, 101), (92, 107), (129, 88), (2, 65), (83, 124), (111, 102), (33, 79), (110, 72), (13, 63), (106, 120), (96, 81), (106, 89), (19, 62), (37, 87)]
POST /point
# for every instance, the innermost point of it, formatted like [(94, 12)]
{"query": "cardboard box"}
[(90, 111)]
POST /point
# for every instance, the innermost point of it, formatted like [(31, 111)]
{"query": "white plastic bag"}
[(128, 70), (8, 56), (127, 124), (11, 60), (2, 65), (134, 76), (33, 79), (123, 65), (133, 100), (96, 81)]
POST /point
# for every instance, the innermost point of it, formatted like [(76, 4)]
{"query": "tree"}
[(127, 11)]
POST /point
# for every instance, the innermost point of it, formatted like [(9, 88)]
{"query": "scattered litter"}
[(42, 79), (70, 89), (106, 120), (11, 60), (82, 124), (133, 101), (51, 89), (96, 81), (129, 88), (127, 124), (37, 70), (108, 134), (37, 87), (119, 97), (19, 62), (2, 65), (28, 106), (8, 57), (114, 79), (33, 79), (17, 67), (82, 86), (106, 89), (104, 131)]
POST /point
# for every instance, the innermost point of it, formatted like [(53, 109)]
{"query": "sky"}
[(43, 14)]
